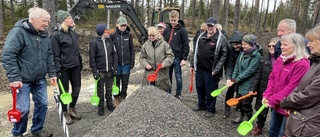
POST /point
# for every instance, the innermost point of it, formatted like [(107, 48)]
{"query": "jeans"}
[(177, 72), (40, 99), (123, 69), (123, 78), (205, 84), (277, 123)]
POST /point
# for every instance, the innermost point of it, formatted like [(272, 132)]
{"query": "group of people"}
[(281, 76)]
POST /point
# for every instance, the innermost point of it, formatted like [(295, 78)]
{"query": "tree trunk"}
[(236, 15), (256, 17), (251, 23), (50, 6), (12, 10), (182, 10), (316, 14), (1, 23), (194, 2), (35, 3), (304, 20), (199, 13), (226, 18), (68, 5), (273, 19), (3, 9), (265, 22), (216, 9)]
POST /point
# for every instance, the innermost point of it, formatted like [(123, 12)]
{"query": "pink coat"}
[(284, 78)]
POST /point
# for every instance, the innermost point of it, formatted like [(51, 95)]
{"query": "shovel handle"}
[(96, 86), (224, 87), (191, 80), (115, 80), (247, 95), (14, 98), (61, 86), (257, 113), (158, 68)]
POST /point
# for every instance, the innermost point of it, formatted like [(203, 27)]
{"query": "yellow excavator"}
[(126, 8)]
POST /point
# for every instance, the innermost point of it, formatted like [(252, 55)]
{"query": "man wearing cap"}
[(123, 42), (27, 58), (68, 61), (104, 65), (177, 37), (210, 54)]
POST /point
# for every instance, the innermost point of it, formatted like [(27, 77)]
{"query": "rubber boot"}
[(239, 119)]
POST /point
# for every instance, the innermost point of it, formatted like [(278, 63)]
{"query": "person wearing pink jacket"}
[(287, 72)]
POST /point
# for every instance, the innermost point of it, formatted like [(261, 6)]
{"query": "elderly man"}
[(27, 58)]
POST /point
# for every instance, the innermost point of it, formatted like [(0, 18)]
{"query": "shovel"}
[(14, 115), (218, 91), (95, 99), (191, 80), (153, 77), (64, 97), (246, 126), (235, 101), (115, 88)]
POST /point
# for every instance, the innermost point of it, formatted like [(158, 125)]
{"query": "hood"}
[(26, 25), (236, 37)]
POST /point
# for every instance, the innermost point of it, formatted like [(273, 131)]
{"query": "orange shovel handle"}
[(247, 95)]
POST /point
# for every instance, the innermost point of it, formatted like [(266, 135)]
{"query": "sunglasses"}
[(269, 46)]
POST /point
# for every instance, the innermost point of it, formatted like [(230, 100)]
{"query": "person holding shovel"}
[(27, 58), (68, 61), (104, 64), (246, 66), (153, 52)]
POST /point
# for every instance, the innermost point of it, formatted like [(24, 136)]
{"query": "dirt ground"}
[(90, 119)]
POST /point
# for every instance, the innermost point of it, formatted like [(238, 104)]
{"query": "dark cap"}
[(100, 28), (212, 21)]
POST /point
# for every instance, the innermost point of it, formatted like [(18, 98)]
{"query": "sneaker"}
[(178, 96), (209, 114), (41, 133), (69, 120), (101, 112), (111, 108), (73, 114), (256, 131), (197, 108)]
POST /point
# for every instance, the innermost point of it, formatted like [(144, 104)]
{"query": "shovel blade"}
[(115, 90), (215, 92), (244, 128), (152, 77), (232, 102), (66, 98), (14, 115), (95, 100)]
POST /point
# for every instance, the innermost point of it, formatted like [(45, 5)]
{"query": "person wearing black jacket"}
[(234, 49), (67, 60), (122, 39), (104, 65), (177, 37), (210, 54)]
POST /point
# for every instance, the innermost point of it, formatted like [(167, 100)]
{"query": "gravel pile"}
[(150, 111)]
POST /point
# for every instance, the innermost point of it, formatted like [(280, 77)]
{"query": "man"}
[(27, 57), (177, 37), (122, 39), (210, 55)]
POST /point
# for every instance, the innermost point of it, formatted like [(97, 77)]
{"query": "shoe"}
[(111, 108), (226, 112), (116, 101), (209, 114), (69, 120), (73, 114), (256, 131), (41, 133), (178, 96), (239, 119), (101, 112), (197, 108), (17, 136)]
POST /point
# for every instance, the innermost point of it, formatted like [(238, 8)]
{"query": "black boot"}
[(248, 117), (226, 112), (239, 119), (125, 83)]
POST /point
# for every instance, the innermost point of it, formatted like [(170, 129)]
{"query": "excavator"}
[(161, 15)]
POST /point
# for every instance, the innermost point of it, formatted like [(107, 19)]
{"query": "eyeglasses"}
[(269, 46)]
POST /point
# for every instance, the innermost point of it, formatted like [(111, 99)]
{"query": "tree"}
[(12, 10), (266, 17), (316, 14), (182, 10), (226, 15), (216, 9), (50, 6), (35, 3), (304, 19), (273, 15), (236, 15), (1, 23), (194, 2), (256, 17), (3, 9)]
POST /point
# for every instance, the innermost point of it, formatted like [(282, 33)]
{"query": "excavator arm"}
[(126, 8)]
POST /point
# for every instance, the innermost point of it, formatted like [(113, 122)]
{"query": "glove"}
[(96, 76), (115, 73), (58, 74), (132, 65)]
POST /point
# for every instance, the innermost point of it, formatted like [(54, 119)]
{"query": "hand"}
[(96, 76), (148, 67), (182, 63), (264, 101), (53, 81), (16, 84), (233, 80), (268, 106), (229, 83), (287, 112), (58, 74), (115, 73), (131, 66), (162, 66)]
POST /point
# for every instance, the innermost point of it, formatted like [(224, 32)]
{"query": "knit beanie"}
[(250, 39), (236, 37), (62, 15), (100, 28)]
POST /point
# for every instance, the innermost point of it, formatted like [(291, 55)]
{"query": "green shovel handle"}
[(223, 88), (115, 80), (96, 86), (61, 86), (257, 113)]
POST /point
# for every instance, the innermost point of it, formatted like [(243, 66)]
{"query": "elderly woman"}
[(302, 104), (284, 78), (153, 52), (246, 66)]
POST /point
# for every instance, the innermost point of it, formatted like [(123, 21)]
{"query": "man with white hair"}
[(27, 58), (285, 26)]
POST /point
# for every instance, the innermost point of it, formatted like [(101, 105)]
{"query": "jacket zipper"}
[(106, 53), (121, 43)]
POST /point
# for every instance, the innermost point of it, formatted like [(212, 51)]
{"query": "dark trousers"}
[(72, 75), (105, 88), (205, 84), (262, 117), (245, 106)]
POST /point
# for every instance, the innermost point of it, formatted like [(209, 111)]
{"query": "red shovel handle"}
[(191, 80), (14, 98), (159, 67)]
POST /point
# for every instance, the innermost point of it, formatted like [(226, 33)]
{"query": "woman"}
[(302, 104), (261, 82), (67, 60), (153, 52), (285, 76), (246, 66)]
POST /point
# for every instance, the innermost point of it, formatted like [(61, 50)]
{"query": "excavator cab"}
[(162, 15)]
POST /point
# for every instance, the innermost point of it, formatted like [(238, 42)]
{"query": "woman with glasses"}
[(153, 52), (261, 82), (286, 74)]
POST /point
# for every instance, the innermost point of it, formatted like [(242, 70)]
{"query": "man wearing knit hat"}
[(104, 65), (68, 61), (123, 42)]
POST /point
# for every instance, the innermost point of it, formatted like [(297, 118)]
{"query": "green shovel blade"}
[(218, 91), (64, 97), (115, 88), (246, 126), (95, 99)]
